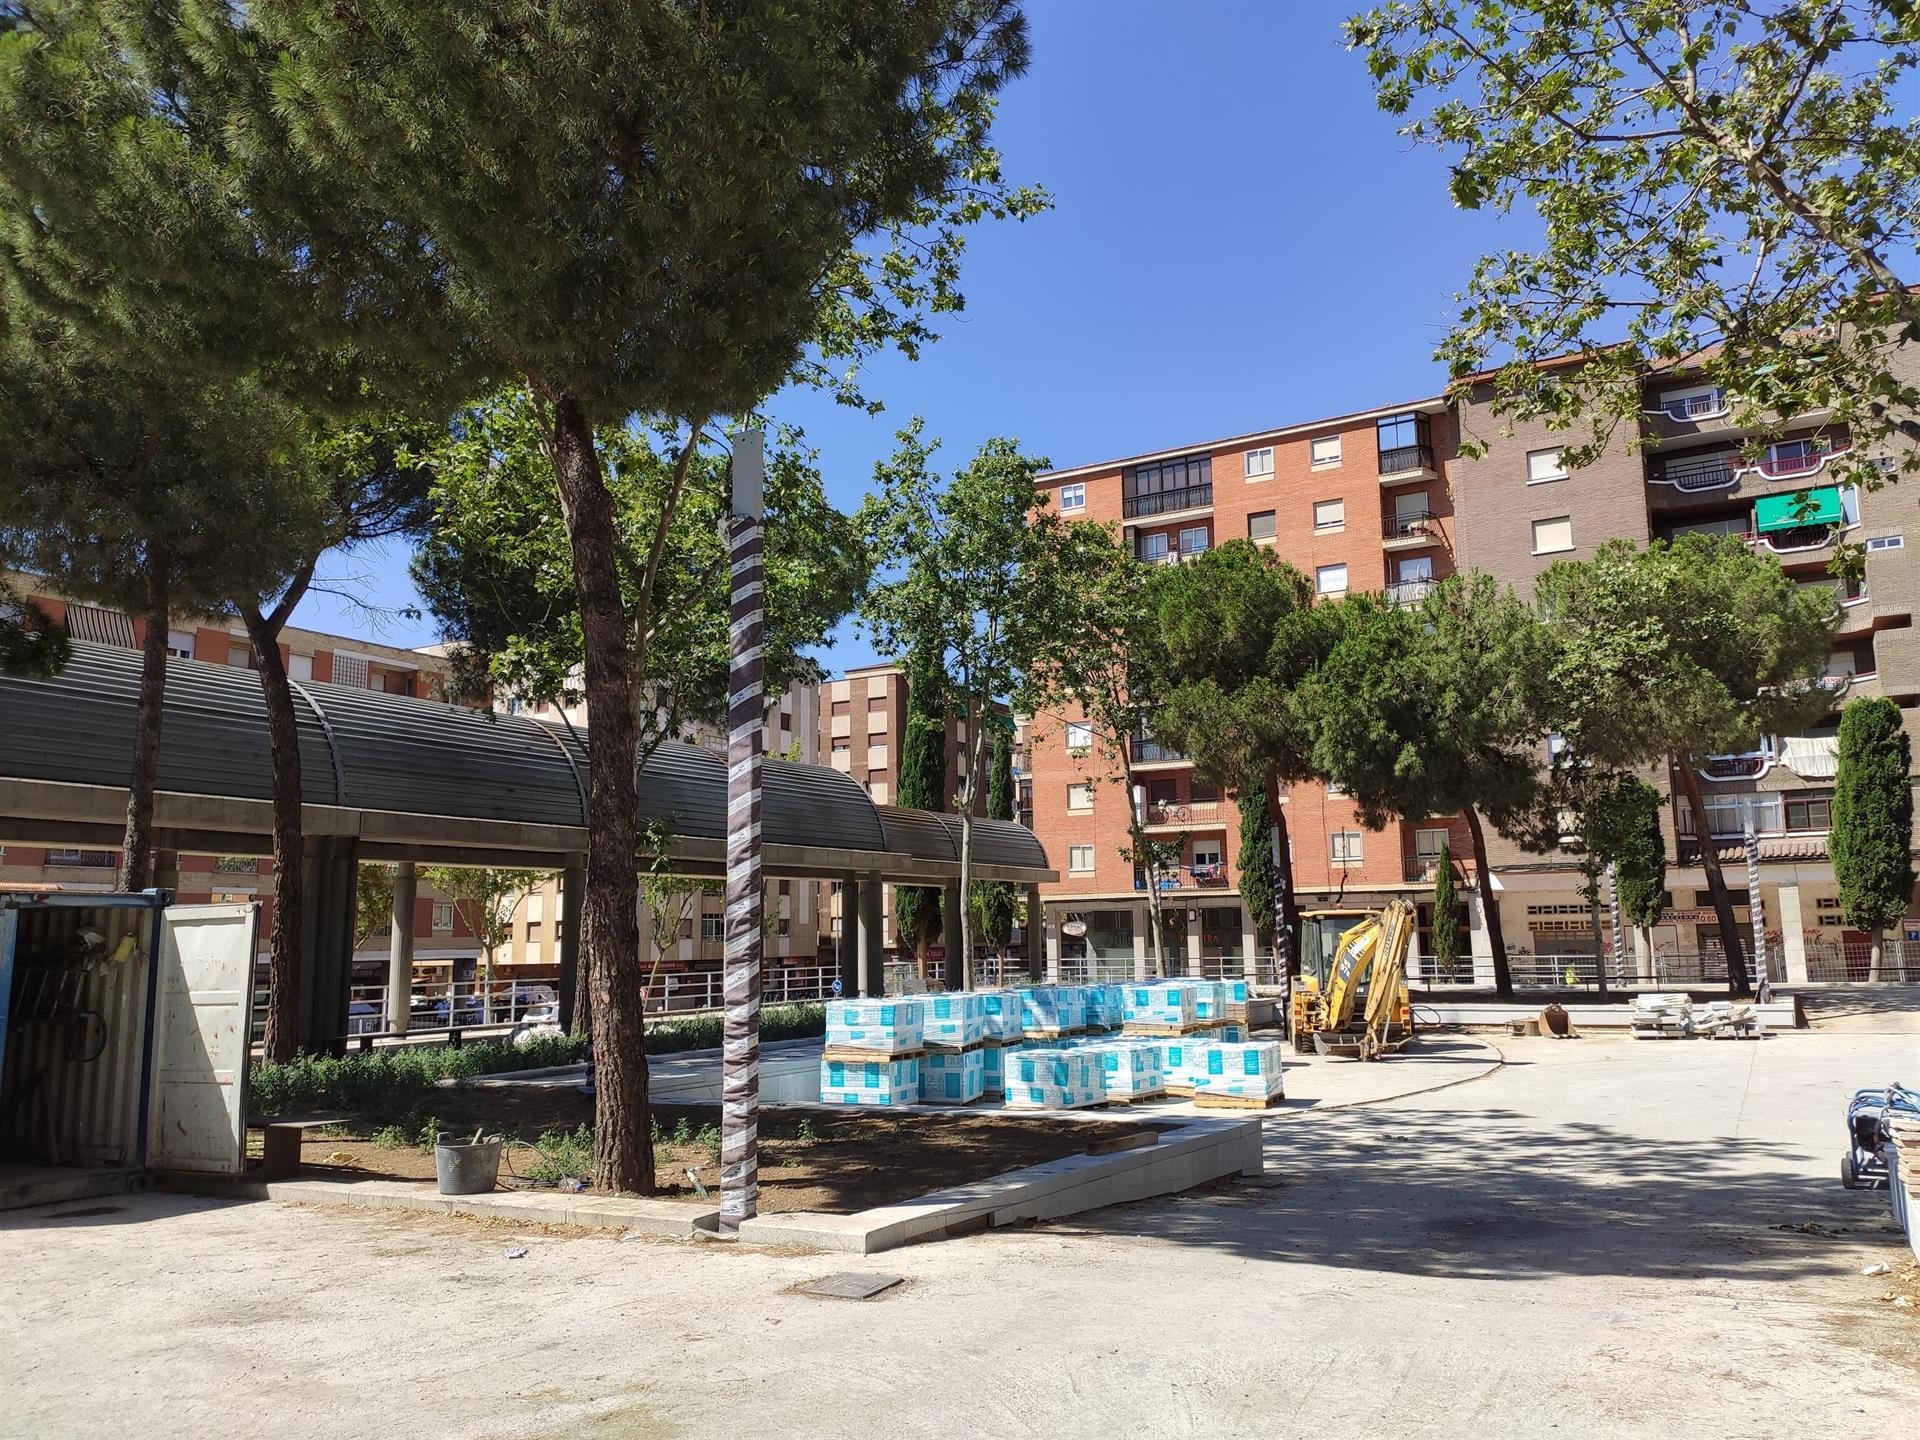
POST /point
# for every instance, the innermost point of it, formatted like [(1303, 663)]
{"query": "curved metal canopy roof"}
[(504, 781)]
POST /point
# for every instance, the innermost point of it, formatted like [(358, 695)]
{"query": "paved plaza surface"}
[(1586, 1239)]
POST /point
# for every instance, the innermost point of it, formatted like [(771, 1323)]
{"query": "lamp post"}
[(745, 893)]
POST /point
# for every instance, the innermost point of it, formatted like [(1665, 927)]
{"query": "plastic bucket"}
[(466, 1168)]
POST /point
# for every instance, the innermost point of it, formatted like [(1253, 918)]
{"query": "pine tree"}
[(1255, 862), (1446, 914), (1871, 840), (923, 786)]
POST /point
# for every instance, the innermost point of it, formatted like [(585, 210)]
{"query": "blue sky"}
[(1239, 240)]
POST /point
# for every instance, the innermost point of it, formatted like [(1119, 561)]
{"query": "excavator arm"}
[(1373, 953)]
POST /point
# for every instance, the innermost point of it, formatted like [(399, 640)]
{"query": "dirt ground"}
[(835, 1161)]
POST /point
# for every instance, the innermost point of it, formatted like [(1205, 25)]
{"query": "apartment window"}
[(1073, 497), (535, 930), (1079, 736), (1260, 463), (713, 929), (1080, 796), (1163, 486), (81, 859), (1326, 450), (1790, 451), (443, 915), (1403, 443), (1080, 859), (1887, 542), (240, 653), (834, 928), (1193, 539), (180, 644), (300, 667), (1260, 525), (1154, 546), (1329, 515), (1545, 465), (1427, 843), (1552, 536), (876, 703), (842, 744), (1330, 579), (1208, 854), (1810, 810), (1344, 846), (843, 707)]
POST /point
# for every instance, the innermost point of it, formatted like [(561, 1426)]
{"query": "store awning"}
[(1802, 507)]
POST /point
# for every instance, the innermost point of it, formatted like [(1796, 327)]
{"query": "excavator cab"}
[(1353, 964)]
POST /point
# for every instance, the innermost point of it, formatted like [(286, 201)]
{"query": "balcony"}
[(1748, 766), (1793, 467), (1693, 477), (1422, 869), (1152, 752), (1185, 815), (1412, 531), (1410, 592), (1406, 463), (1187, 877), (1707, 405), (1168, 502)]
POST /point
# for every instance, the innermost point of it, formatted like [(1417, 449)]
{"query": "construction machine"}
[(1354, 961)]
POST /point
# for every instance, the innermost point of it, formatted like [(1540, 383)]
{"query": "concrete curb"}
[(630, 1213)]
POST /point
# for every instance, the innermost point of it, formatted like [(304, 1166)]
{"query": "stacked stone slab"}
[(1245, 1076), (953, 1077)]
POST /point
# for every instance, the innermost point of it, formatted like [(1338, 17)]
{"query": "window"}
[(1260, 463), (1427, 843), (1260, 525), (1330, 579), (1345, 846), (1329, 515), (1079, 736), (1810, 810), (240, 653), (1694, 402), (1326, 450), (1727, 815), (1403, 444), (1073, 497), (1080, 796), (1154, 546), (180, 644), (713, 929), (1163, 486), (1551, 536), (1207, 853), (81, 859), (1789, 452), (1887, 542), (1193, 539), (443, 915), (1545, 465), (300, 667), (843, 707), (842, 744), (1080, 859), (350, 670)]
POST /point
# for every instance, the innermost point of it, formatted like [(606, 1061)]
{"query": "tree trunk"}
[(1489, 907), (289, 846), (136, 846), (1876, 952), (1737, 983), (610, 928)]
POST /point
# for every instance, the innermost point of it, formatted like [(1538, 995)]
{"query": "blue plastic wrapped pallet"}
[(954, 1020), (1106, 1006), (1052, 1009), (1132, 1069), (953, 1077), (1000, 1015), (1162, 1005), (1178, 1056), (886, 1027), (1249, 1072), (1209, 1002), (1054, 1079), (883, 1080), (1237, 992)]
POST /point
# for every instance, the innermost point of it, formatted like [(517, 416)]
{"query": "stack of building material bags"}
[(953, 1077), (1000, 1014), (1661, 1017), (873, 1051), (1106, 1006), (1209, 1002), (1164, 1007), (1179, 1055), (1237, 992), (1132, 1069), (1236, 1076), (1054, 1079), (1050, 1011), (954, 1021)]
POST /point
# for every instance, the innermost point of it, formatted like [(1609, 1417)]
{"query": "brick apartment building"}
[(1383, 500)]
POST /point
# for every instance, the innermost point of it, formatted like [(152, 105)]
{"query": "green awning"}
[(1803, 507)]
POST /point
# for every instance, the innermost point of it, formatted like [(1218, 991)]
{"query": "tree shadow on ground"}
[(1487, 1193)]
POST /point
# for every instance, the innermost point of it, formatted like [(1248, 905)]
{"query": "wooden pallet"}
[(1151, 1096), (860, 1057), (1184, 1091), (1238, 1102), (1167, 1032)]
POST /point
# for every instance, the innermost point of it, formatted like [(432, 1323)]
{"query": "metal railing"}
[(1405, 458), (1417, 868), (1834, 961), (1694, 407), (1796, 467), (1715, 472), (1182, 812), (1411, 526), (1165, 502), (1409, 592), (1147, 752)]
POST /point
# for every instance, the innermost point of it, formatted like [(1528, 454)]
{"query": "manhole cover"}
[(88, 1213), (850, 1285)]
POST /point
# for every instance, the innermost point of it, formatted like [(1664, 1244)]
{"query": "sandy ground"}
[(1582, 1242)]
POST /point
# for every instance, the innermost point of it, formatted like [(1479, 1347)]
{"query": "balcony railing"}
[(1715, 472), (1410, 592), (1182, 812), (1794, 467), (1147, 752), (1419, 525), (1187, 877), (1165, 502), (1404, 458), (1750, 766), (1711, 405)]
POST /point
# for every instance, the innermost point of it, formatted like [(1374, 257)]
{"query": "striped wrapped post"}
[(740, 1062), (1613, 917), (1757, 914)]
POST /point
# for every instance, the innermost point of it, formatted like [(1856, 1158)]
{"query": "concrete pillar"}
[(873, 946), (950, 903), (1793, 934), (1036, 930), (1249, 942), (1479, 948), (1194, 966), (847, 950), (573, 884), (406, 886), (1142, 959), (1052, 934)]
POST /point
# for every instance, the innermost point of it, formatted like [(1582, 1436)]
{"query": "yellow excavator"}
[(1354, 960)]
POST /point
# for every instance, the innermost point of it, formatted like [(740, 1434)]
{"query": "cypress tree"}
[(923, 786), (1255, 861), (1871, 840), (1446, 914), (995, 902)]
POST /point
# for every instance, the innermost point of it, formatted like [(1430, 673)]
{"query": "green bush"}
[(393, 1084), (563, 1155)]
